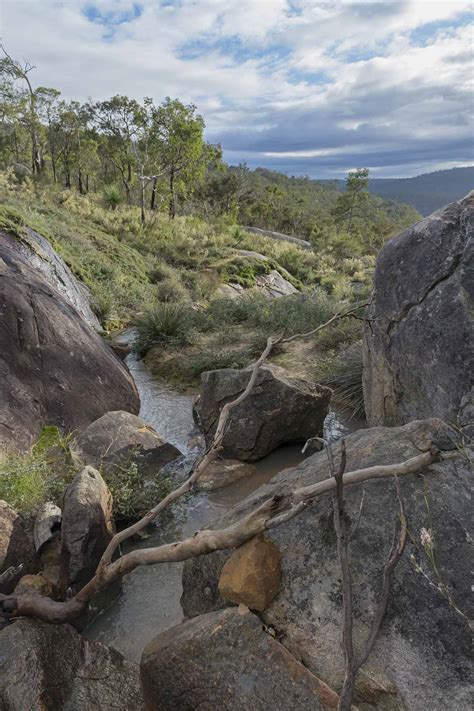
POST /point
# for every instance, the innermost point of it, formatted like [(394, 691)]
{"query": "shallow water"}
[(149, 601)]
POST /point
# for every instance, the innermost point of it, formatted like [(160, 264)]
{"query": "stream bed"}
[(149, 600)]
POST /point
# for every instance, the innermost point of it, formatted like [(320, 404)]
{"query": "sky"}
[(305, 87)]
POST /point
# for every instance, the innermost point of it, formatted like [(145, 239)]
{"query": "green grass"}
[(30, 479)]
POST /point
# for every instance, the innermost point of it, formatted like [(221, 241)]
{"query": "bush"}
[(112, 197), (133, 495), (345, 379), (28, 480), (164, 323)]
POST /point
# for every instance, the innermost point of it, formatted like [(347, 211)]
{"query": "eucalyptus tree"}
[(351, 203)]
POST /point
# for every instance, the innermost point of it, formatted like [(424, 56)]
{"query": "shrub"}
[(164, 323), (132, 494), (112, 197), (29, 479), (345, 379)]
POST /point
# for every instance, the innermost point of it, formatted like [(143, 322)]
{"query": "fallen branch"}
[(271, 513), (353, 662)]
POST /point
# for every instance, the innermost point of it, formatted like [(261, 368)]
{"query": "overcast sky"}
[(301, 86)]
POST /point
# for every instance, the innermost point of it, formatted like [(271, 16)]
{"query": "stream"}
[(149, 599)]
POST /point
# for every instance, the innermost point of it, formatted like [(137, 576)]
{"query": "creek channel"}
[(149, 601)]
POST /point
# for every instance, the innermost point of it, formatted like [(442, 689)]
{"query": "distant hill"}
[(426, 192)]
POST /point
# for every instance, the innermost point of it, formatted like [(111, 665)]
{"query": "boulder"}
[(224, 660), (39, 254), (279, 410), (119, 438), (38, 584), (274, 285), (54, 370), (16, 546), (47, 524), (87, 527), (222, 472), (422, 656), (418, 356), (52, 667), (252, 574)]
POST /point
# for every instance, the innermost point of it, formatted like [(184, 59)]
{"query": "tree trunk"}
[(142, 202), (172, 210), (80, 184), (153, 194)]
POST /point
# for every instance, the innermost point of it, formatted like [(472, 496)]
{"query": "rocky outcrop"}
[(16, 546), (52, 667), (54, 369), (119, 438), (418, 356), (279, 410), (86, 528), (421, 658), (252, 574), (39, 254), (225, 661)]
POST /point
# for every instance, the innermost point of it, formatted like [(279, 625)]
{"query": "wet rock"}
[(119, 438), (252, 574), (52, 667), (16, 547), (422, 656), (47, 523), (54, 370), (87, 527), (224, 660), (279, 410), (223, 472), (418, 357)]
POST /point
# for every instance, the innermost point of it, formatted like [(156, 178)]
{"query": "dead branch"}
[(352, 662), (271, 513)]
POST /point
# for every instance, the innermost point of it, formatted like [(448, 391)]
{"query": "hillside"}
[(426, 193)]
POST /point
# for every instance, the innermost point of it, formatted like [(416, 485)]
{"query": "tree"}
[(17, 71), (350, 204), (181, 147), (116, 119)]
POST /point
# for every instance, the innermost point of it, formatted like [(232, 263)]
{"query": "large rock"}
[(54, 369), (418, 355), (40, 255), (422, 657), (119, 438), (223, 472), (16, 546), (86, 529), (279, 410), (52, 667), (225, 661)]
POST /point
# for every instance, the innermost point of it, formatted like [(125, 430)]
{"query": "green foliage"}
[(164, 323), (27, 480), (133, 495), (345, 379), (112, 197)]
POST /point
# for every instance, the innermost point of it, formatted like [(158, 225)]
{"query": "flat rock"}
[(279, 410), (223, 472), (252, 574), (418, 355), (422, 656), (224, 661)]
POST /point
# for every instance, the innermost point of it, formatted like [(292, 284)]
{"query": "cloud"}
[(300, 86)]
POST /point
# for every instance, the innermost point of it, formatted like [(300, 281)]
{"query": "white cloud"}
[(294, 79)]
